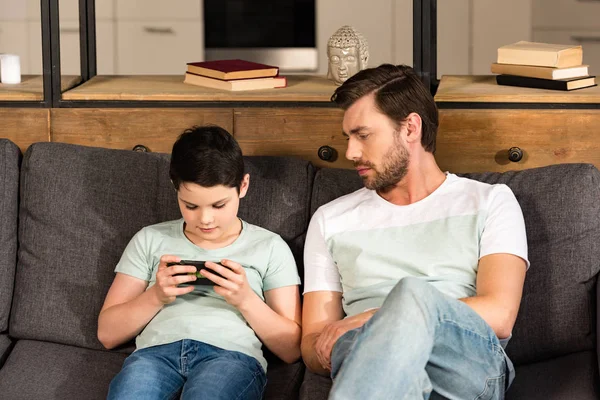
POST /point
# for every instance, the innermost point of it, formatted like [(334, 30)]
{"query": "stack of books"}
[(542, 66), (234, 75)]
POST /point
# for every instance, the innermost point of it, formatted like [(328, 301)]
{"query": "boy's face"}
[(210, 213)]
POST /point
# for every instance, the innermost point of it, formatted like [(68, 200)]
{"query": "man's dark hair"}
[(208, 156), (398, 92)]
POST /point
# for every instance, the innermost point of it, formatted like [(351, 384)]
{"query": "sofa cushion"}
[(5, 348), (562, 217), (574, 376), (315, 387), (49, 371), (81, 206), (283, 380), (9, 196), (40, 370)]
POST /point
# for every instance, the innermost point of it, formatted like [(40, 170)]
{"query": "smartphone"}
[(201, 280)]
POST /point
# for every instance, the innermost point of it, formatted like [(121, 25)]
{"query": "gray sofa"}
[(79, 206)]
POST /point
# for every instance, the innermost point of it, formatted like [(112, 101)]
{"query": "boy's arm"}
[(129, 307), (126, 311), (276, 322)]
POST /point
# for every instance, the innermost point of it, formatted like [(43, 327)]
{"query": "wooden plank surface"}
[(468, 88), (25, 126), (291, 131), (31, 88), (479, 140), (157, 129), (172, 88)]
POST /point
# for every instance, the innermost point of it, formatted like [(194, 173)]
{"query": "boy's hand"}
[(166, 284), (235, 289)]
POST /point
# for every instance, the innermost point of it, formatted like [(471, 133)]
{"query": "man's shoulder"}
[(345, 202), (470, 186)]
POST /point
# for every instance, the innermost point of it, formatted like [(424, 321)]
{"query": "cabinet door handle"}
[(327, 153), (141, 148), (69, 30), (586, 39), (515, 154), (158, 30)]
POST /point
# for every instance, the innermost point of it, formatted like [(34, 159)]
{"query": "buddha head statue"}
[(347, 53)]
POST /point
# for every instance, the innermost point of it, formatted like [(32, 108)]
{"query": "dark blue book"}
[(552, 84)]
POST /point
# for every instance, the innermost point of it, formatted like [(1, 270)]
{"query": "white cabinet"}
[(158, 47), (495, 24), (453, 37), (566, 14), (570, 22), (589, 40), (13, 39), (158, 10), (69, 48), (402, 32), (11, 10), (158, 37), (470, 32)]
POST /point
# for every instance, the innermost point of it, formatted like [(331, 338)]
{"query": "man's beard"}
[(394, 167)]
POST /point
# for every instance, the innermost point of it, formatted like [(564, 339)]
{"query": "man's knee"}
[(410, 296), (411, 288)]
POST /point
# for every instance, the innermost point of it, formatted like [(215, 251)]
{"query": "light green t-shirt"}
[(204, 315)]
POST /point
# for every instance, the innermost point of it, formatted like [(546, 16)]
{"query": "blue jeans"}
[(421, 344), (190, 369)]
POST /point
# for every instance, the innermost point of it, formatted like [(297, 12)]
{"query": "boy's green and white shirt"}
[(204, 315), (362, 245)]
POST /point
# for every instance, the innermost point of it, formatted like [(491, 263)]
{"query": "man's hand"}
[(333, 331)]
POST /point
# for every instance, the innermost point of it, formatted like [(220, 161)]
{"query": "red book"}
[(232, 69)]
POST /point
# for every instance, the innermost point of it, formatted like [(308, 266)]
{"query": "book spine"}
[(520, 81)]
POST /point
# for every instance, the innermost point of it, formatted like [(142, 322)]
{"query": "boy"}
[(202, 341)]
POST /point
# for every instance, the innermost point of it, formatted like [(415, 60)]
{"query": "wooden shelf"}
[(467, 88), (31, 88), (172, 88)]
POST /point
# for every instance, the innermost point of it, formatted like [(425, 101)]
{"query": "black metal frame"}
[(425, 42), (424, 63)]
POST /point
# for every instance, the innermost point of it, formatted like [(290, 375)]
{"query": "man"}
[(412, 283)]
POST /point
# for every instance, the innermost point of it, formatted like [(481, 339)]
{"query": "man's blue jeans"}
[(421, 344), (189, 368)]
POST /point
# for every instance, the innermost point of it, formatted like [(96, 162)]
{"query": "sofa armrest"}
[(6, 345), (598, 320)]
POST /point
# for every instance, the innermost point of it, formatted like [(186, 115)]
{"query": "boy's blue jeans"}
[(190, 369), (421, 344)]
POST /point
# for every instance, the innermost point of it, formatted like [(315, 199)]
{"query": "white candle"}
[(10, 68)]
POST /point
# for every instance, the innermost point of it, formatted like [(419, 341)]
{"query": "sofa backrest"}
[(80, 206), (10, 156), (561, 207)]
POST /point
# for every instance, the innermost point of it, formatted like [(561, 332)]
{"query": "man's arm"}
[(500, 280), (319, 309)]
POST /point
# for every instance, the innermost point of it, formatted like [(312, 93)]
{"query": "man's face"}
[(343, 63), (375, 145), (210, 213)]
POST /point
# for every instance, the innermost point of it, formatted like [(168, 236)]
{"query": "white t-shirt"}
[(362, 245)]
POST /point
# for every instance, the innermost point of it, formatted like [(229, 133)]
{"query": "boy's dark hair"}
[(208, 156), (398, 92)]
